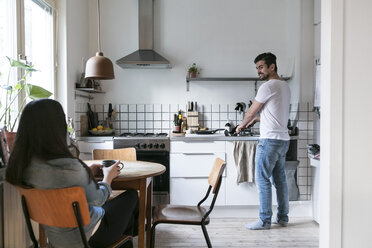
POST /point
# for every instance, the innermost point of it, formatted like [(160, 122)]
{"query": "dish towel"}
[(244, 153)]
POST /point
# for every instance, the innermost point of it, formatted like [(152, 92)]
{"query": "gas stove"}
[(143, 141)]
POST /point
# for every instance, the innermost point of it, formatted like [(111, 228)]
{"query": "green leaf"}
[(19, 64), (17, 86), (37, 92), (70, 129)]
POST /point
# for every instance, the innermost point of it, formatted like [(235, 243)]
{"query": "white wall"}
[(346, 138), (357, 145), (222, 37), (72, 45)]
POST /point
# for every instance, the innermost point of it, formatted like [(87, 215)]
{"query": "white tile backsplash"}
[(140, 108)]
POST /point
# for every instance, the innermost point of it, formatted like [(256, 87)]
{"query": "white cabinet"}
[(315, 189), (190, 165), (86, 147), (244, 193)]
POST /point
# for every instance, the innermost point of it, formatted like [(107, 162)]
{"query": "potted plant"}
[(193, 71), (14, 96)]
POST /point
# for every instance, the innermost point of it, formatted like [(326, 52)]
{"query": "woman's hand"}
[(95, 168), (109, 173)]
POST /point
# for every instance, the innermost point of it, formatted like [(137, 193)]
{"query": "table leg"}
[(141, 214), (148, 213)]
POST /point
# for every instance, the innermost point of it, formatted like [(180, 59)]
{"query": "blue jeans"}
[(270, 162)]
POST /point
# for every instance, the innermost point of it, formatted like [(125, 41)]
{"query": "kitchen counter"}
[(187, 137), (95, 138), (216, 137)]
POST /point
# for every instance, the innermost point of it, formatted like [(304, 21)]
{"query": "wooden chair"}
[(117, 154), (191, 215), (65, 207)]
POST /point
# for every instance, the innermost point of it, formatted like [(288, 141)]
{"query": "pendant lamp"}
[(99, 67)]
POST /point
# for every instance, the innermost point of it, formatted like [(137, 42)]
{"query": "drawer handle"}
[(95, 141), (185, 153), (86, 153)]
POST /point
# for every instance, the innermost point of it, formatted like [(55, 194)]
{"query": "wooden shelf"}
[(226, 79)]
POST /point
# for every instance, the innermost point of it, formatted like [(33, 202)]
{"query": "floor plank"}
[(230, 232)]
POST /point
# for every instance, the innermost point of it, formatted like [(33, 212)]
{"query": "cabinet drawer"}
[(189, 191), (87, 146), (193, 164), (198, 147)]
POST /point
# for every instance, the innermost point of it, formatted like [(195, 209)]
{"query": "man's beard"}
[(263, 76)]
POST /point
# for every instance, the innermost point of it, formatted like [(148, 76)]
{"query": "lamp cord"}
[(99, 27)]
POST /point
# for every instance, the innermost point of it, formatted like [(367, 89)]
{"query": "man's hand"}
[(239, 128)]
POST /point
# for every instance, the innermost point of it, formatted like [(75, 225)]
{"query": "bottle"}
[(184, 125)]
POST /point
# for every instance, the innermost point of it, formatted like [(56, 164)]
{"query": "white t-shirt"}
[(276, 96)]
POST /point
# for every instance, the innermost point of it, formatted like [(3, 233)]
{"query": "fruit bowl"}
[(102, 132)]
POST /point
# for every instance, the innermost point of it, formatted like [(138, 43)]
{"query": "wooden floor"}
[(230, 232)]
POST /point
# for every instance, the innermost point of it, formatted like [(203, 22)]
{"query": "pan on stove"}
[(208, 131)]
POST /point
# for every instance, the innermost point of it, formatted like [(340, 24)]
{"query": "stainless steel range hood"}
[(145, 57)]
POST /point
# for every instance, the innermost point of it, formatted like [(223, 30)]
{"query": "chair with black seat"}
[(191, 215), (66, 207)]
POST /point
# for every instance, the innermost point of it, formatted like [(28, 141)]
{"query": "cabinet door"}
[(193, 164), (189, 191), (244, 193)]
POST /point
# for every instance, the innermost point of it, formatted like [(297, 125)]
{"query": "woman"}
[(41, 159)]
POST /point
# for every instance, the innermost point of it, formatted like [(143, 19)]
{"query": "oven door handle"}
[(186, 153)]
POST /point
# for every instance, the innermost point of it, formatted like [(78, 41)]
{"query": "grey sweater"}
[(63, 173)]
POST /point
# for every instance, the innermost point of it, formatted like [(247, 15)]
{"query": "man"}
[(272, 99)]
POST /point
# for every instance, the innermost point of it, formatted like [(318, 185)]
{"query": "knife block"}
[(193, 120)]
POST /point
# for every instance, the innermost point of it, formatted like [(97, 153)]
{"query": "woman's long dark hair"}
[(41, 133)]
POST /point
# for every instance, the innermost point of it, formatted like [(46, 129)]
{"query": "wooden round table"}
[(138, 175)]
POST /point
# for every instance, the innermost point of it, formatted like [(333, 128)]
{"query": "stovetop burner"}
[(143, 135)]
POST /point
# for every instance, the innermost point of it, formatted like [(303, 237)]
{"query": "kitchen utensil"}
[(196, 106), (110, 110), (240, 106), (109, 118), (109, 162), (229, 129), (208, 131), (84, 125), (90, 117)]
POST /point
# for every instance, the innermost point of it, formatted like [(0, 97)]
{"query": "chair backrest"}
[(53, 207), (118, 154), (216, 173)]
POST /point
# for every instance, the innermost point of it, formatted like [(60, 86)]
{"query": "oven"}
[(152, 148)]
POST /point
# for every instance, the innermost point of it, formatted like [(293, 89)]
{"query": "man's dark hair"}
[(269, 59)]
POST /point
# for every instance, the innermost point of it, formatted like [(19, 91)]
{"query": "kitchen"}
[(196, 32)]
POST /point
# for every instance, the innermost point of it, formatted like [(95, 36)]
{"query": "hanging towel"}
[(244, 153)]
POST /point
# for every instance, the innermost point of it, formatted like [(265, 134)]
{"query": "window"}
[(34, 36), (39, 47)]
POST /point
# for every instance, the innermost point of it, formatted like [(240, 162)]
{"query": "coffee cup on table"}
[(108, 163)]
